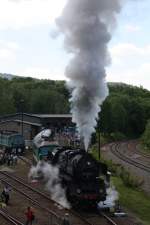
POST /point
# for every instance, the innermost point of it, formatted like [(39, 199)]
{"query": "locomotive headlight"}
[(19, 150), (78, 191), (88, 163)]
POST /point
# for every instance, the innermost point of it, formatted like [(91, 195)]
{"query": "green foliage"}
[(134, 199), (119, 171), (124, 113), (6, 99), (146, 136), (39, 96), (94, 148), (117, 136), (130, 180)]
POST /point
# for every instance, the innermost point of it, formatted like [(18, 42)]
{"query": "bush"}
[(128, 179), (146, 136), (117, 136)]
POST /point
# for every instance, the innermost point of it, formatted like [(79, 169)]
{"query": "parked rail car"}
[(44, 151), (43, 145), (12, 142), (84, 178)]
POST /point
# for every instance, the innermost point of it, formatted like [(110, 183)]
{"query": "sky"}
[(28, 46)]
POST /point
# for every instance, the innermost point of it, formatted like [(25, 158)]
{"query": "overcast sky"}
[(27, 47)]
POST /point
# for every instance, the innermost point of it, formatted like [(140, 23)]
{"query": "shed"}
[(30, 124)]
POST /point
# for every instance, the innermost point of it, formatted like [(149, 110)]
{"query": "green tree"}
[(105, 122), (146, 136)]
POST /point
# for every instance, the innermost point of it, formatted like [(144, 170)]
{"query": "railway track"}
[(99, 219), (28, 162), (104, 219), (9, 218), (110, 221), (42, 201), (32, 195), (137, 150), (123, 157)]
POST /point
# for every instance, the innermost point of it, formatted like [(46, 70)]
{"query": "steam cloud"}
[(112, 197), (87, 26), (39, 138), (50, 175)]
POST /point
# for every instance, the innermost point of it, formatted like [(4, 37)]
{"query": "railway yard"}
[(25, 193), (132, 158), (66, 151)]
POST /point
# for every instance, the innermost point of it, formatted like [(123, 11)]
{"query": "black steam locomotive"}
[(84, 179)]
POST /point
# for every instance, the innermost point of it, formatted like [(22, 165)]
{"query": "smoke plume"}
[(87, 26), (50, 175)]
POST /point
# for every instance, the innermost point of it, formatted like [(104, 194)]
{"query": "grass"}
[(131, 196), (144, 149), (135, 200)]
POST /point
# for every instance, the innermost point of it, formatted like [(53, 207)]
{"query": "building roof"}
[(20, 121), (52, 115), (38, 115)]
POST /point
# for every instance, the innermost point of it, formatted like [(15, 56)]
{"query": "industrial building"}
[(30, 124)]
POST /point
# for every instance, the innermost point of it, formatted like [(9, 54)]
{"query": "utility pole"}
[(99, 143), (21, 102), (99, 139)]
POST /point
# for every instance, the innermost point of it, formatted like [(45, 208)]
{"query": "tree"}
[(105, 122), (146, 136)]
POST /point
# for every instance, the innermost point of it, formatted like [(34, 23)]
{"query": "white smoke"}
[(112, 197), (50, 175), (86, 25), (39, 138)]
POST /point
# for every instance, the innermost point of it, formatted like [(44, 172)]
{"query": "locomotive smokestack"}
[(87, 26)]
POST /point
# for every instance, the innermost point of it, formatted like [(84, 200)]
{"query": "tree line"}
[(125, 112), (33, 96)]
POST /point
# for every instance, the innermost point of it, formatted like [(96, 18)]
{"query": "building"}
[(30, 124)]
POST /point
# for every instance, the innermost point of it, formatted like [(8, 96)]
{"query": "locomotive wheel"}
[(68, 194), (74, 201)]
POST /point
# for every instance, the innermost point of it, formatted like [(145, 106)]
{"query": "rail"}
[(53, 215), (110, 221), (124, 158), (11, 219)]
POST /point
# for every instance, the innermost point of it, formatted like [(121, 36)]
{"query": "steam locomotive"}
[(84, 179)]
